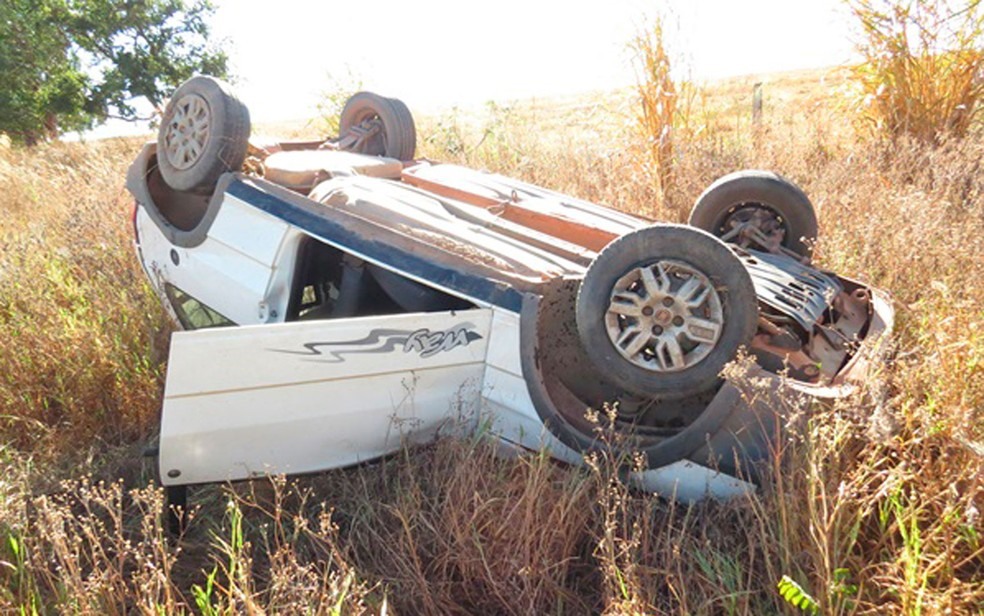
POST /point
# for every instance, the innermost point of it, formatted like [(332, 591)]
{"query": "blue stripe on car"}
[(475, 287)]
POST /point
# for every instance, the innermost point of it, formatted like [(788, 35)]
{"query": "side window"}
[(331, 284), (317, 279), (192, 313)]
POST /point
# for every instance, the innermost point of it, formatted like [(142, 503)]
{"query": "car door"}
[(297, 397)]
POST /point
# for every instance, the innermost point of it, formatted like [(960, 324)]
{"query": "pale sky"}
[(435, 54), (442, 52)]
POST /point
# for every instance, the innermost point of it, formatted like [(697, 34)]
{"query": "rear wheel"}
[(204, 133), (661, 310), (379, 126), (758, 209)]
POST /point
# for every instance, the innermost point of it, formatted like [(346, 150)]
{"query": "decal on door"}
[(424, 342)]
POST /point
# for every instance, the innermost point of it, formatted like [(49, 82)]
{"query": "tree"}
[(71, 64)]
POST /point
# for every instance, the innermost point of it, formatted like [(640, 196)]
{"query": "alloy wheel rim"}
[(665, 316), (187, 131)]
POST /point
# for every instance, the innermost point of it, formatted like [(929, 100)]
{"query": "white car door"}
[(241, 402)]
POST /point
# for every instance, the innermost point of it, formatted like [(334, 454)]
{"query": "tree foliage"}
[(71, 64)]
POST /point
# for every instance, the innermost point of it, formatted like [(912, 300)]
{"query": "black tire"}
[(220, 148), (409, 138), (744, 190), (398, 138), (670, 246)]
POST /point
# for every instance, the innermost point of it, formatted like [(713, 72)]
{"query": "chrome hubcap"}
[(665, 316), (187, 132)]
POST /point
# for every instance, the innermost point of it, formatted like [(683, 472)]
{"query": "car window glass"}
[(309, 297), (192, 313)]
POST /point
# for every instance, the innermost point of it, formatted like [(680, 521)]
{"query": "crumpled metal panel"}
[(786, 285)]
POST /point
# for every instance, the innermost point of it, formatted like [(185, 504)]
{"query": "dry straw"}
[(871, 507), (923, 69)]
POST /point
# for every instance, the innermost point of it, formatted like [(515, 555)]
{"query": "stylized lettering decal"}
[(429, 343), (424, 342)]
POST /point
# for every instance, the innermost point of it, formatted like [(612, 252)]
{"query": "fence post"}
[(757, 104)]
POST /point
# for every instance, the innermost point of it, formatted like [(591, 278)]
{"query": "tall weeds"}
[(871, 507), (658, 100), (82, 337), (923, 69)]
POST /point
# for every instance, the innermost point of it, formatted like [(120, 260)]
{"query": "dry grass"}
[(872, 507), (659, 102), (923, 69), (81, 337)]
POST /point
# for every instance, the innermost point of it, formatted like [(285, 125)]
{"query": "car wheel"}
[(661, 310), (757, 209), (204, 133), (373, 124)]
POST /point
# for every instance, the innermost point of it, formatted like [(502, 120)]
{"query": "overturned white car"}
[(342, 298)]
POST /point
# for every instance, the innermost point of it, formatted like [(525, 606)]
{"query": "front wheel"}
[(204, 133), (661, 310)]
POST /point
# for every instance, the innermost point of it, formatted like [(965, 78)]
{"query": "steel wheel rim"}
[(665, 316), (369, 134), (187, 131), (736, 225)]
